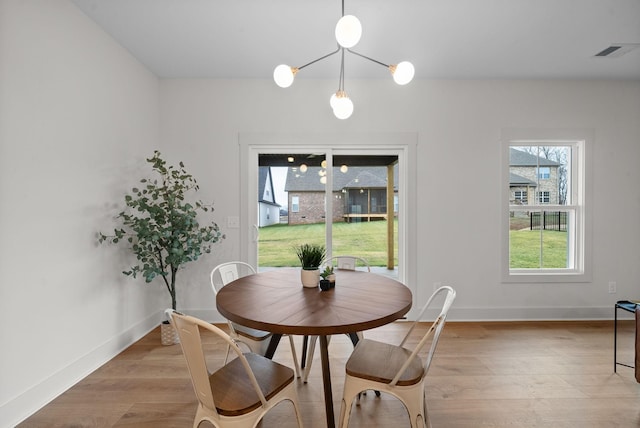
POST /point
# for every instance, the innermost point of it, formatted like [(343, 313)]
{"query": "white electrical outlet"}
[(612, 287)]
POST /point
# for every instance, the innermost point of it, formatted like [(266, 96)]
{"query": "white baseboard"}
[(534, 313), (24, 405)]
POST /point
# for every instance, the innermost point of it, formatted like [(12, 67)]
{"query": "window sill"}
[(542, 277)]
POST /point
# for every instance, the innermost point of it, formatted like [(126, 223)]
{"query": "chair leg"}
[(296, 365), (296, 408), (310, 351), (345, 411), (416, 407), (426, 413), (226, 356)]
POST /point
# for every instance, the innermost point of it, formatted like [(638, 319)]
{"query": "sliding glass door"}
[(342, 199)]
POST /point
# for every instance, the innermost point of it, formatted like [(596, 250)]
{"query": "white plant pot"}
[(310, 278), (168, 335)]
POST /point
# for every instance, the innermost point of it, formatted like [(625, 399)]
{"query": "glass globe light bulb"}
[(303, 167), (343, 108), (344, 169), (348, 31), (403, 73), (333, 100), (283, 75)]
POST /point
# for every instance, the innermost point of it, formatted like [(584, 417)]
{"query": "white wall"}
[(77, 115), (459, 126)]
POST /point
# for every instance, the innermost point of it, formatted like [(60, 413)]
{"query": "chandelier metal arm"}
[(321, 58), (370, 59)]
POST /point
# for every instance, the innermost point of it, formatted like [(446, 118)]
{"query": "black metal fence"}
[(548, 220)]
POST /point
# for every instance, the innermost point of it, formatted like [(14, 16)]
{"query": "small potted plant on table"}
[(311, 257), (328, 278)]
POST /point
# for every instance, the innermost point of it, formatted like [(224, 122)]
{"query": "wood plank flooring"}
[(484, 374)]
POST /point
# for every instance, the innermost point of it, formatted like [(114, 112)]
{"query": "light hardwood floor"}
[(484, 374)]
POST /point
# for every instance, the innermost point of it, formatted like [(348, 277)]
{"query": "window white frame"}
[(579, 227)]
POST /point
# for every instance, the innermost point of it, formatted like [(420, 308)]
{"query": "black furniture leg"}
[(273, 345), (615, 338), (326, 380), (305, 344)]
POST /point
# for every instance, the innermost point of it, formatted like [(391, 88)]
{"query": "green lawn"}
[(525, 249), (369, 240), (366, 239)]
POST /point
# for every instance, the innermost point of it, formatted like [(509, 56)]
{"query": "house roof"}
[(355, 177), (367, 180), (518, 180), (520, 158), (263, 173)]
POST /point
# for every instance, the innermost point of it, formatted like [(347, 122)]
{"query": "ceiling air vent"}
[(617, 50)]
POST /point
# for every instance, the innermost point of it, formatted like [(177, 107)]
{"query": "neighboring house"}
[(532, 179), (359, 194), (269, 209)]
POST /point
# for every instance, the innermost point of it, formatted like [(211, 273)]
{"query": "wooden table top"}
[(276, 301)]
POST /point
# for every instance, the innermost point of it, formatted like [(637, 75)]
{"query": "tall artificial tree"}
[(161, 227)]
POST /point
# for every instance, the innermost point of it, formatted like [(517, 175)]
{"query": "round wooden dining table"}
[(275, 301)]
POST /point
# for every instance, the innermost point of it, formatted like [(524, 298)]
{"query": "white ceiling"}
[(455, 39)]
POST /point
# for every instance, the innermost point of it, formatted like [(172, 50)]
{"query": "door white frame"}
[(402, 144)]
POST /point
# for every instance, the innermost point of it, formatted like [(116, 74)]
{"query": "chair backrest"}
[(224, 273), (434, 330), (348, 262), (188, 329)]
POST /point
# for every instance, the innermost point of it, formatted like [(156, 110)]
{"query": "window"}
[(544, 237), (520, 196), (544, 173), (543, 197), (295, 204)]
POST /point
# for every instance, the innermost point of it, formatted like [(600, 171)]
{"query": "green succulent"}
[(310, 255)]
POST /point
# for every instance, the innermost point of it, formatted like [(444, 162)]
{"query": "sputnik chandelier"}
[(348, 33)]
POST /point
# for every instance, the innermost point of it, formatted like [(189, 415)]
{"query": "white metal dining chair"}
[(345, 262), (256, 340), (242, 391), (401, 372)]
